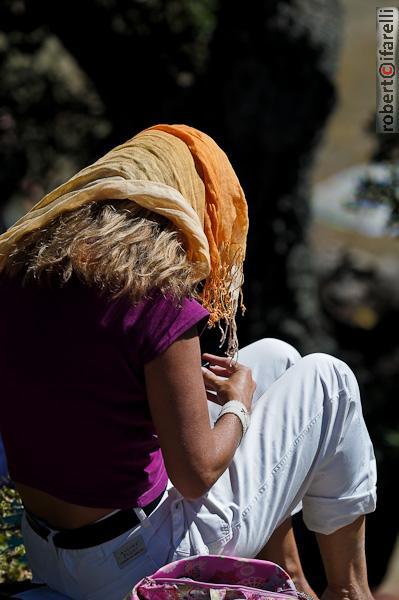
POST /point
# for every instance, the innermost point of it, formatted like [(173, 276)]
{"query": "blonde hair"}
[(117, 247)]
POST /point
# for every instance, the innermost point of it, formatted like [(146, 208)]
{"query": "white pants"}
[(307, 443)]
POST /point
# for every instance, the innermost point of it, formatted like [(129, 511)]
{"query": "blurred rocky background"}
[(287, 88)]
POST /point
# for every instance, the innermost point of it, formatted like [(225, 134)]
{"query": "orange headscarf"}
[(181, 173)]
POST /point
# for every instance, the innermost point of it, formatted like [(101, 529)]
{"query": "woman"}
[(106, 285)]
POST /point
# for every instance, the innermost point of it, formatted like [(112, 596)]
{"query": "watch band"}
[(238, 408)]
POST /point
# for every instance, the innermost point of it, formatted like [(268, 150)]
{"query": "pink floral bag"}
[(212, 577)]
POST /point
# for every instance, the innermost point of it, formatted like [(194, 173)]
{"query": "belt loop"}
[(140, 514), (50, 540)]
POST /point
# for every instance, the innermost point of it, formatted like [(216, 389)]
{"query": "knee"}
[(273, 349), (318, 359), (321, 360), (335, 372), (269, 358)]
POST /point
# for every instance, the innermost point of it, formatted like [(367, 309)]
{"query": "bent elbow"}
[(193, 488)]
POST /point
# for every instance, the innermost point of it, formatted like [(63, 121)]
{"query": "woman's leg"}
[(344, 561), (282, 549), (269, 359), (307, 440)]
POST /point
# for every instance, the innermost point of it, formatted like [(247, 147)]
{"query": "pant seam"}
[(280, 464)]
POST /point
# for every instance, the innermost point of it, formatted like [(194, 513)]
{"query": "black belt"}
[(94, 533)]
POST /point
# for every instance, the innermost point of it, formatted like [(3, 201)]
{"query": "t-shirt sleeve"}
[(153, 325)]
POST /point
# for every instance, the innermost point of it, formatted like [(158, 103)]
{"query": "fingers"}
[(222, 361), (220, 371), (211, 386), (215, 359), (229, 380), (210, 379), (212, 396)]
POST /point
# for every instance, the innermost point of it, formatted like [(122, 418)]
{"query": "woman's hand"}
[(227, 380)]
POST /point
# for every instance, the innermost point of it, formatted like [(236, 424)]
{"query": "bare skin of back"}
[(58, 513)]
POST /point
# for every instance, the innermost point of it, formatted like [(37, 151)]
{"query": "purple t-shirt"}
[(74, 414)]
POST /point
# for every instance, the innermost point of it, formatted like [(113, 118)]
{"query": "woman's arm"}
[(195, 454)]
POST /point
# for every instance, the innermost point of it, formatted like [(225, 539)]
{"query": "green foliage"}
[(59, 114), (191, 22), (13, 566)]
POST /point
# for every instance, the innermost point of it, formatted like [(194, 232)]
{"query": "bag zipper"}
[(232, 586)]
